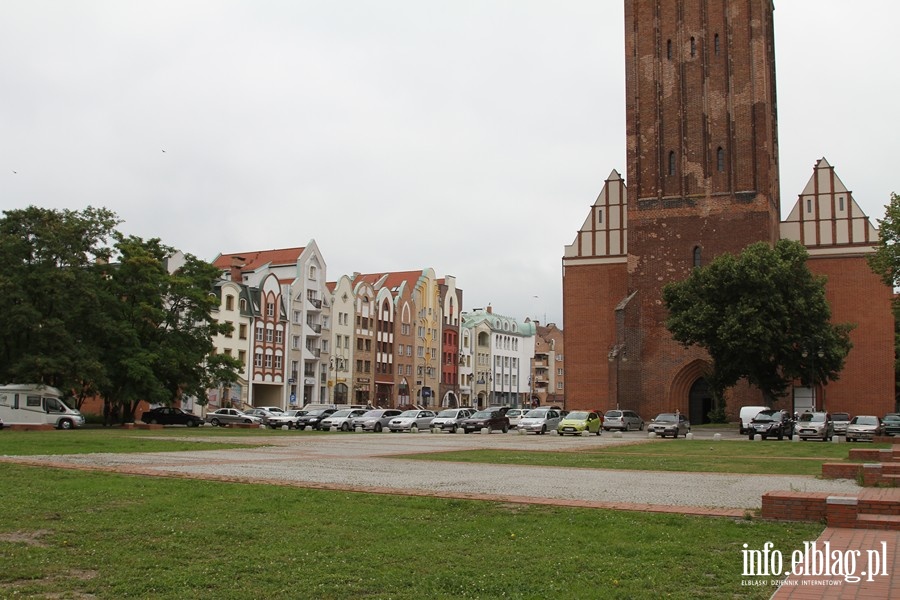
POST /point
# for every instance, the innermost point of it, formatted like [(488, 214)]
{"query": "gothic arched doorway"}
[(700, 402)]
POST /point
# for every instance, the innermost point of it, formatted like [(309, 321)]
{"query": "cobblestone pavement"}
[(372, 463)]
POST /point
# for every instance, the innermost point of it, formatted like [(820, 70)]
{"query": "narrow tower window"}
[(669, 49), (693, 47), (697, 256), (720, 159), (599, 216), (716, 43), (672, 162)]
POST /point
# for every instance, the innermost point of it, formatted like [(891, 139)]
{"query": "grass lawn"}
[(74, 534), (702, 456), (84, 441)]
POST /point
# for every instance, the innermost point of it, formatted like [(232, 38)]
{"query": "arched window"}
[(671, 162), (697, 256), (720, 160)]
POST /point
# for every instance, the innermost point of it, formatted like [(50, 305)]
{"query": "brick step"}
[(884, 522)]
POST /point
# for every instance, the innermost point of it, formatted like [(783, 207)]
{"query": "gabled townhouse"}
[(451, 301), (548, 366), (233, 309), (340, 362), (287, 298), (363, 391)]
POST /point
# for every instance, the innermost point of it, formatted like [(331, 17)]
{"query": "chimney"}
[(237, 263)]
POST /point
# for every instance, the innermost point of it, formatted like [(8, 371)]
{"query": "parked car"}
[(262, 413), (230, 416), (492, 419), (540, 420), (374, 420), (579, 421), (746, 414), (450, 418), (625, 420), (841, 420), (1, 423), (272, 409), (288, 418), (864, 427), (342, 419), (891, 423), (772, 423), (409, 419), (515, 415), (815, 425), (169, 415), (313, 418), (673, 424)]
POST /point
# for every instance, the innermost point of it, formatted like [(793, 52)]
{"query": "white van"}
[(36, 404), (747, 414)]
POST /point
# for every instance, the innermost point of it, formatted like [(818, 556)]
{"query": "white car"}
[(405, 421), (540, 420), (288, 418), (450, 419), (342, 419), (515, 415)]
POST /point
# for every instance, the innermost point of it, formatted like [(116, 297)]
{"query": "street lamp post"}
[(617, 353), (811, 355)]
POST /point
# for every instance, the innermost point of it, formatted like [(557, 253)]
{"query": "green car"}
[(579, 421)]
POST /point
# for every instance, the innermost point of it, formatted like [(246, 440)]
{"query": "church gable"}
[(604, 233), (826, 219)]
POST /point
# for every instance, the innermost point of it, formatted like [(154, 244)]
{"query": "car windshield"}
[(483, 414), (840, 417), (577, 415), (892, 418), (665, 418), (372, 414), (447, 413), (613, 414), (516, 412), (317, 413), (296, 413), (864, 420), (409, 413), (811, 417), (342, 413), (538, 413), (766, 415)]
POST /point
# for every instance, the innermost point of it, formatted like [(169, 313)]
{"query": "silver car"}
[(450, 418), (673, 424), (841, 420), (342, 419), (624, 420), (374, 420), (540, 420), (411, 419), (815, 425), (863, 427), (288, 418), (231, 416)]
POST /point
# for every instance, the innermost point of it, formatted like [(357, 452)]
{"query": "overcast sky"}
[(468, 136)]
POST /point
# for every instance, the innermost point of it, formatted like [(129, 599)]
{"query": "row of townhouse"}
[(386, 339)]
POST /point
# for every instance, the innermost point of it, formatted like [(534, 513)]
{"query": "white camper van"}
[(35, 404)]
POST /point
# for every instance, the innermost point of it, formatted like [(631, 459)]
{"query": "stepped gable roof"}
[(255, 259), (392, 280)]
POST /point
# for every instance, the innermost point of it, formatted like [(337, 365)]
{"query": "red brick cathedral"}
[(702, 171)]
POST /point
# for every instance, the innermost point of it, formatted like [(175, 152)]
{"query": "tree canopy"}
[(761, 315), (886, 264), (92, 311)]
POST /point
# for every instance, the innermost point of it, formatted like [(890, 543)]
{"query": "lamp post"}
[(617, 353), (811, 355)]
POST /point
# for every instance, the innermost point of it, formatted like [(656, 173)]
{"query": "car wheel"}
[(543, 429), (214, 423), (453, 429), (505, 429), (65, 424), (641, 428), (193, 424), (345, 426), (154, 422), (780, 435), (377, 427), (467, 431), (598, 431), (247, 421)]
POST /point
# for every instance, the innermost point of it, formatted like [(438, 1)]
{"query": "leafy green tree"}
[(886, 263), (51, 270), (161, 347), (762, 316)]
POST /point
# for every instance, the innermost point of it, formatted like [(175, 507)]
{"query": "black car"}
[(772, 423), (891, 422), (168, 415), (313, 419), (491, 419)]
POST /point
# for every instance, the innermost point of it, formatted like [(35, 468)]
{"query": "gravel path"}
[(363, 461)]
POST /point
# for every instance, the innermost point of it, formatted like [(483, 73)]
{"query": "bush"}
[(717, 415)]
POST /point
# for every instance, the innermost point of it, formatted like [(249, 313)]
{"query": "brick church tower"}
[(702, 172)]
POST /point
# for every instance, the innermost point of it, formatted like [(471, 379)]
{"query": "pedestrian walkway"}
[(884, 584)]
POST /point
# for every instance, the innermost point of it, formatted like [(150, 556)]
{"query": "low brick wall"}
[(147, 426), (841, 470), (28, 427), (841, 511), (870, 454), (794, 506)]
